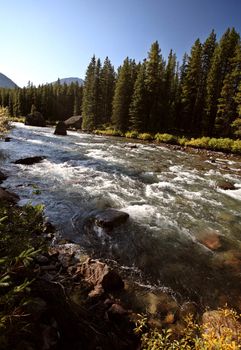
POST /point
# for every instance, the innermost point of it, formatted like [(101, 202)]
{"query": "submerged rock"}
[(8, 196), (210, 238), (2, 177), (110, 218), (29, 160), (226, 185), (60, 129)]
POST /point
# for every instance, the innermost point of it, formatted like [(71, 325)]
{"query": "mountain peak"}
[(6, 82), (70, 80)]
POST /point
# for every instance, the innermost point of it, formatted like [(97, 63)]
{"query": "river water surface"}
[(172, 198)]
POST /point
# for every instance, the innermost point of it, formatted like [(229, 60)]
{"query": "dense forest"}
[(202, 96)]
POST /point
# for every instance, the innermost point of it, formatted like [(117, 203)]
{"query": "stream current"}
[(172, 198)]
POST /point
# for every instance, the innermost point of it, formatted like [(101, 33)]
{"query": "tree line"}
[(55, 101), (201, 96)]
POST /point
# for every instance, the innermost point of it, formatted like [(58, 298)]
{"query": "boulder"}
[(8, 196), (74, 122), (35, 119), (2, 177), (110, 218), (100, 276), (226, 185), (221, 323), (209, 238), (60, 129), (29, 160), (7, 139)]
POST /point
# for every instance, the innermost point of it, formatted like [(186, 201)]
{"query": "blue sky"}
[(42, 40)]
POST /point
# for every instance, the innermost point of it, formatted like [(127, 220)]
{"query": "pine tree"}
[(207, 55), (191, 97), (220, 66), (237, 122), (154, 83), (89, 106), (227, 103), (107, 77), (138, 107), (122, 95)]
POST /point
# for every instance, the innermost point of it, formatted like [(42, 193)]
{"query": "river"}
[(172, 198)]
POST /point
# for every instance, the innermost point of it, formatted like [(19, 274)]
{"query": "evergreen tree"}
[(207, 55), (122, 95), (237, 122), (220, 66), (154, 83), (227, 103), (107, 77), (89, 106), (138, 107), (191, 93)]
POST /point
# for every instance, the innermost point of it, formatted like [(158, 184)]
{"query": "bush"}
[(145, 136), (220, 144), (182, 141), (132, 134), (236, 146), (167, 138), (109, 132), (4, 120), (202, 142)]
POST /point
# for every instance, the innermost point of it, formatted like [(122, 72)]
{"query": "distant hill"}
[(70, 80), (5, 82)]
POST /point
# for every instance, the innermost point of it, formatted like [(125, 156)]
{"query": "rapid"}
[(173, 200)]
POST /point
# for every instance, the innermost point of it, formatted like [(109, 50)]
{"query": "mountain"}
[(70, 80), (5, 82)]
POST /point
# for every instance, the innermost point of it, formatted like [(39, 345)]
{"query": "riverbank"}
[(54, 297), (193, 145)]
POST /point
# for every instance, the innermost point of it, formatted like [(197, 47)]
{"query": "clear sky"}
[(42, 40)]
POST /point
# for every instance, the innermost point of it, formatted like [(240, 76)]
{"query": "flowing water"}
[(172, 198)]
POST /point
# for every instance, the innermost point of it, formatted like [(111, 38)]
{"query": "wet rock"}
[(221, 323), (226, 185), (116, 312), (29, 160), (8, 196), (49, 227), (74, 122), (187, 308), (2, 177), (7, 139), (35, 119), (110, 218), (210, 238), (100, 276), (61, 129)]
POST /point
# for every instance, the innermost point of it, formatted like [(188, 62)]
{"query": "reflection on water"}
[(183, 233)]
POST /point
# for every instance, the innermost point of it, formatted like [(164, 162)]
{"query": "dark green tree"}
[(89, 104), (107, 77)]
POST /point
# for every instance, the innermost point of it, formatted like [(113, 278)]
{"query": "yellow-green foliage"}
[(236, 147), (4, 119), (167, 138), (108, 132), (145, 136), (132, 134), (182, 141), (220, 144), (202, 142), (193, 337)]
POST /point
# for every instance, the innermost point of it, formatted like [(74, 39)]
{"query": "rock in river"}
[(29, 160), (2, 177), (35, 119), (74, 122), (61, 129), (226, 185), (110, 218), (8, 196)]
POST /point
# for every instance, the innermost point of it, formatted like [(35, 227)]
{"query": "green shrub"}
[(132, 134), (182, 141), (108, 132), (220, 144), (4, 120), (236, 146), (145, 136), (167, 138), (202, 142)]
